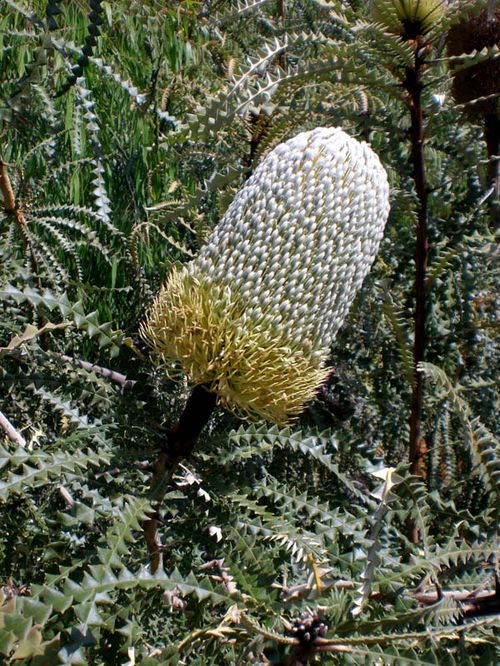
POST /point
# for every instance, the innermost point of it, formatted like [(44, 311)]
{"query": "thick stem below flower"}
[(181, 441)]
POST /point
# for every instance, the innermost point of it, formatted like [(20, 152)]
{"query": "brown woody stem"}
[(181, 441), (12, 208), (112, 375), (492, 138), (414, 86), (11, 432), (7, 192)]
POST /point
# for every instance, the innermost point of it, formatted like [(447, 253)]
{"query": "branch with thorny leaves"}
[(179, 444)]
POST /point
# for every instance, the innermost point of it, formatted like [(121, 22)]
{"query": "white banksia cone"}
[(254, 315)]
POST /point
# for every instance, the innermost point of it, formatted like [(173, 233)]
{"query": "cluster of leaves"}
[(125, 129)]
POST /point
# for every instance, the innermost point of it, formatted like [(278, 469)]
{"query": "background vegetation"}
[(125, 130)]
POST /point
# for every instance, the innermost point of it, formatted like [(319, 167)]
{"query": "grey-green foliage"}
[(118, 178)]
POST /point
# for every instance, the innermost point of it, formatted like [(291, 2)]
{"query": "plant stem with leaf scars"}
[(181, 441), (414, 87)]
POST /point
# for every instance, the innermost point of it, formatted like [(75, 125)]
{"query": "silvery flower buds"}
[(254, 315)]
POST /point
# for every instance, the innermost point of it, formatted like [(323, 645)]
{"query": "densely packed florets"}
[(254, 315)]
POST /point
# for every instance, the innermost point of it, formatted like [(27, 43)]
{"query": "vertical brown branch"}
[(281, 8), (180, 444), (7, 192), (259, 124), (12, 208), (492, 138), (414, 86)]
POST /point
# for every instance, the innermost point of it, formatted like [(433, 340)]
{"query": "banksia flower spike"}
[(477, 87), (409, 18), (254, 315), (475, 32)]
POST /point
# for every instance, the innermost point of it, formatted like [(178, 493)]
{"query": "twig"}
[(11, 432), (247, 622), (112, 375), (433, 597), (11, 207), (66, 496), (309, 589), (475, 603), (333, 648), (7, 191), (180, 443), (225, 576), (393, 638)]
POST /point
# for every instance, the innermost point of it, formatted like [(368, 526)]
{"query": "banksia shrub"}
[(408, 18), (254, 315)]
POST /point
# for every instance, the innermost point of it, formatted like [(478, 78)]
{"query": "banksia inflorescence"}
[(408, 18), (475, 32), (477, 87), (254, 315)]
